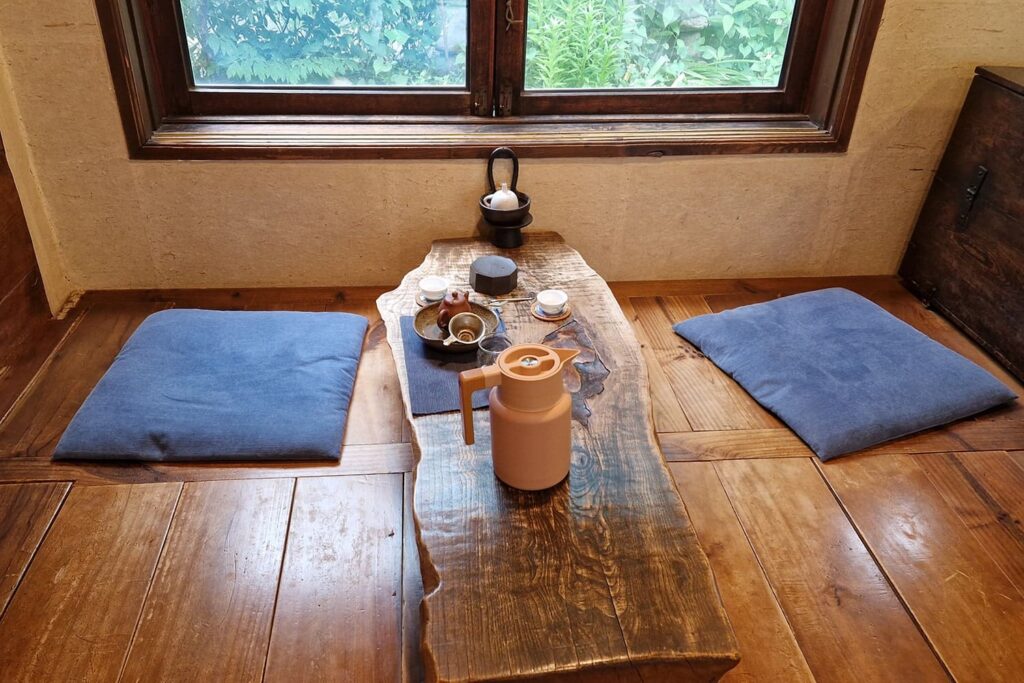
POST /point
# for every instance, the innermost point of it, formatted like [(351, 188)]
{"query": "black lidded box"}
[(493, 275)]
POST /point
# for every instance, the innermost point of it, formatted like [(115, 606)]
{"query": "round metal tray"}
[(433, 336)]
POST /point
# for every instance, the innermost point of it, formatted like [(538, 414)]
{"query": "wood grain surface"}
[(549, 585), (711, 399), (966, 605), (769, 650), (938, 514), (847, 619), (339, 604), (209, 609), (35, 423), (412, 590), (668, 414), (73, 615), (370, 459), (28, 333), (26, 511), (966, 254)]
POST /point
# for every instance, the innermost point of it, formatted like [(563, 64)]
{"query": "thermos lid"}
[(533, 362)]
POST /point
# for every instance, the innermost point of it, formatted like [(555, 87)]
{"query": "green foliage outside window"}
[(668, 43), (570, 43), (325, 42)]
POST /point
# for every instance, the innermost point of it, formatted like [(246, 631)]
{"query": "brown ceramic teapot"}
[(454, 302), (531, 428)]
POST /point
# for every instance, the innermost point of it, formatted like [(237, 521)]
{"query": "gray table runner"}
[(434, 375)]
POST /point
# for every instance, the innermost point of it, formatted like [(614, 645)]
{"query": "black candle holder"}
[(503, 227), (504, 236)]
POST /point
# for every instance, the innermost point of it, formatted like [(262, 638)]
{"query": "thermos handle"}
[(470, 381)]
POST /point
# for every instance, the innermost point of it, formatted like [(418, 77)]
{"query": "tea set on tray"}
[(531, 435), (530, 409), (449, 320)]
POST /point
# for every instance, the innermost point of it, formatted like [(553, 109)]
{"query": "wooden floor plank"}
[(35, 423), (668, 414), (989, 432), (846, 618), (986, 490), (376, 414), (72, 617), (980, 492), (1017, 457), (710, 399), (26, 511), (209, 609), (733, 444), (862, 284), (412, 590), (969, 609), (339, 605), (370, 459), (768, 648)]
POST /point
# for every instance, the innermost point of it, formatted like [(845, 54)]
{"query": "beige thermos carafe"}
[(531, 429)]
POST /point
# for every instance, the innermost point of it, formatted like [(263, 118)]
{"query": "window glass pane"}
[(332, 43), (661, 44)]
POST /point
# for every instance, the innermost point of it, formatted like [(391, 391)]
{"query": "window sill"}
[(412, 138)]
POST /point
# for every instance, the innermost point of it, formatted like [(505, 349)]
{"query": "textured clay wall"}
[(101, 221)]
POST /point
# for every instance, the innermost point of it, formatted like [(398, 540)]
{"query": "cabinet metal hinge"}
[(969, 197)]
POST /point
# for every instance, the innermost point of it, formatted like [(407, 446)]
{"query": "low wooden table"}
[(601, 577)]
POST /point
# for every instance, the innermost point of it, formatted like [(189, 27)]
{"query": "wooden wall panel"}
[(27, 334)]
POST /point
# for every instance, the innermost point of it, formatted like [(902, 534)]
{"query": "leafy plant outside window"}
[(670, 43), (327, 42), (570, 43)]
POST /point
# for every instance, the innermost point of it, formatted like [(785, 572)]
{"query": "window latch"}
[(505, 101), (510, 16)]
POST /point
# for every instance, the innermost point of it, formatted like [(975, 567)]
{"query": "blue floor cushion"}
[(223, 385), (840, 371)]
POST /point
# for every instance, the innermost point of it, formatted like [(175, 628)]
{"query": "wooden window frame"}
[(165, 116)]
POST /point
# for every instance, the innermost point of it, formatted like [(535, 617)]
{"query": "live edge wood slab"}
[(600, 578)]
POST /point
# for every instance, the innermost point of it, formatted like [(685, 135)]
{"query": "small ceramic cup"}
[(552, 301), (465, 328), (433, 287)]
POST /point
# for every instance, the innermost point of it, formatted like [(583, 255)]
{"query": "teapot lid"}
[(533, 362)]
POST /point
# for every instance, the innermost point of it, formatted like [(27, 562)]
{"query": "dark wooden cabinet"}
[(966, 256)]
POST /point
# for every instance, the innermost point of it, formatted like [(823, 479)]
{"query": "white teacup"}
[(552, 301), (433, 287)]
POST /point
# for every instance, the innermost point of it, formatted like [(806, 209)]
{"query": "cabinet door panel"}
[(967, 257)]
